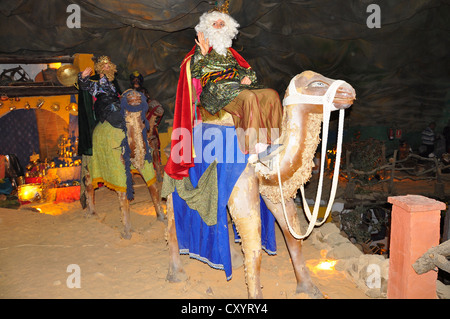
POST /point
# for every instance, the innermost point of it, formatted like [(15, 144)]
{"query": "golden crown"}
[(221, 6), (104, 59)]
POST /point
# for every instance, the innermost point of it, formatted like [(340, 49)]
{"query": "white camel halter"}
[(327, 100)]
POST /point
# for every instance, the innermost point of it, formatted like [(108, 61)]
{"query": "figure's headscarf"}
[(136, 77)]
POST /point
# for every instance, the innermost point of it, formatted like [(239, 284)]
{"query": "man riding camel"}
[(227, 82)]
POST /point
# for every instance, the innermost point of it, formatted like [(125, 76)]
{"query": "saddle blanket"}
[(210, 244), (106, 165)]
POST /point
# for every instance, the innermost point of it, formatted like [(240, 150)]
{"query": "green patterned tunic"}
[(218, 93)]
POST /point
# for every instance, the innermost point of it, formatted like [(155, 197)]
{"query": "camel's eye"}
[(318, 84)]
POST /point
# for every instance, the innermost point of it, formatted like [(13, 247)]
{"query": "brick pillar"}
[(415, 222)]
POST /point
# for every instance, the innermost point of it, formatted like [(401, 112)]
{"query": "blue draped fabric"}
[(211, 244), (19, 135)]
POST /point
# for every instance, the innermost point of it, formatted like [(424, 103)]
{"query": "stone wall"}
[(368, 272)]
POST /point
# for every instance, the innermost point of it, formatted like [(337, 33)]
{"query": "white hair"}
[(220, 39)]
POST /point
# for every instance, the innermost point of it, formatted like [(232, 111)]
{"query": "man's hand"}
[(246, 80), (202, 43), (86, 72)]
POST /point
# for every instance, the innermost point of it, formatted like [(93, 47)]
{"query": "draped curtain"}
[(19, 135), (400, 70)]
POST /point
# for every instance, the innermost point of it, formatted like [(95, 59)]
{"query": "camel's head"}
[(314, 84)]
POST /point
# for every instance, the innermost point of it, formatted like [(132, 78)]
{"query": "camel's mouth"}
[(342, 103), (344, 97)]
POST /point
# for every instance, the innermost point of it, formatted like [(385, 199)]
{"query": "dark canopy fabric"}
[(400, 70), (19, 135)]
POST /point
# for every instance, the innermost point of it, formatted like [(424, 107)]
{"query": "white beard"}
[(219, 39)]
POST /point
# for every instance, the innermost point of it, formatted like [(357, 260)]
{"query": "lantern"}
[(72, 108), (55, 107), (29, 192)]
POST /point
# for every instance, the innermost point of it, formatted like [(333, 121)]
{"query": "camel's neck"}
[(135, 139), (300, 132), (300, 135)]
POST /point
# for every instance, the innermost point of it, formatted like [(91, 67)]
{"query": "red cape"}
[(181, 157)]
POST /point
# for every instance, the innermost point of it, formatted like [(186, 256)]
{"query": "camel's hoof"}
[(126, 235), (176, 276), (161, 217), (90, 215), (311, 290)]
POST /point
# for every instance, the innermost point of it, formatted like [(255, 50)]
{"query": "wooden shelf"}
[(33, 90), (24, 89), (19, 59)]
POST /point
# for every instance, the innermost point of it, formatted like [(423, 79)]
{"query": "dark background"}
[(400, 71)]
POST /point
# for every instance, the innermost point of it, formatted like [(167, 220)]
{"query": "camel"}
[(136, 126), (300, 132)]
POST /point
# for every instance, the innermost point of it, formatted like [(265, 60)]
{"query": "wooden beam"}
[(22, 91), (25, 59)]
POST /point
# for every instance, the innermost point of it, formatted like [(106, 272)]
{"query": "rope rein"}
[(327, 101)]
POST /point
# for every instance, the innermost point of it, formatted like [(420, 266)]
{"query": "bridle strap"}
[(327, 101)]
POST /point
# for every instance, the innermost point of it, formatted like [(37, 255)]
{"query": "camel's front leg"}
[(176, 272), (125, 209), (156, 198), (304, 283), (89, 193), (244, 210)]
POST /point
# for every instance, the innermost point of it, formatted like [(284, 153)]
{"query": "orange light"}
[(55, 65), (326, 265), (29, 192), (323, 263)]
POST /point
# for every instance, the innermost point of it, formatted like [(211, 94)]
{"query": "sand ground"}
[(37, 249)]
